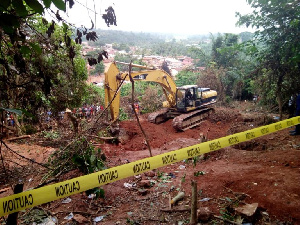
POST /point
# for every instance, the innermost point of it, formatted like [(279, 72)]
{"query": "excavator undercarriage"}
[(181, 121)]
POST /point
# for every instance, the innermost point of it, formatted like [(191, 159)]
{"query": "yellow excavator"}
[(187, 105)]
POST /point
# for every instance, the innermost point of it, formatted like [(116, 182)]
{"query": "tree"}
[(38, 56), (213, 78), (278, 51), (224, 52), (228, 57), (186, 77), (200, 56), (13, 13)]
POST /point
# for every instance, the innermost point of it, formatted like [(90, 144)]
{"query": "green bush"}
[(30, 129)]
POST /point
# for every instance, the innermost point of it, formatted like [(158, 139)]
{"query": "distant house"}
[(186, 61), (174, 63)]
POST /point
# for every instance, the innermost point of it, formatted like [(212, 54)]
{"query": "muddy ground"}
[(263, 173)]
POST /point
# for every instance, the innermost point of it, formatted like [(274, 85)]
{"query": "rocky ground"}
[(257, 182)]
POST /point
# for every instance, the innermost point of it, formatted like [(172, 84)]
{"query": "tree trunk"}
[(74, 121), (18, 126), (279, 94)]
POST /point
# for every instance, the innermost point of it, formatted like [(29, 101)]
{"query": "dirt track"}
[(264, 171)]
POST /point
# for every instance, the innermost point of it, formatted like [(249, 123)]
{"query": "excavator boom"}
[(114, 80)]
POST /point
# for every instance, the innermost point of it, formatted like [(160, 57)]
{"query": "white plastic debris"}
[(47, 221), (205, 199), (69, 217), (98, 218), (128, 185), (92, 196), (181, 167), (66, 200)]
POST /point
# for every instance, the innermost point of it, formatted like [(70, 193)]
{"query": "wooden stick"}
[(136, 116), (194, 203)]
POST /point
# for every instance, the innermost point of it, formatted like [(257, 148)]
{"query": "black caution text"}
[(108, 176), (17, 203), (67, 188)]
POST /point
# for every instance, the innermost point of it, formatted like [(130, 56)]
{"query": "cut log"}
[(19, 138)]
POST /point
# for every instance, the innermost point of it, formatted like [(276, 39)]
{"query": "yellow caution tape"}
[(34, 197)]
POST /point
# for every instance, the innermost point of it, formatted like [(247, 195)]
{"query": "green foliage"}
[(226, 214), (99, 68), (126, 59), (121, 47), (224, 51), (183, 178), (52, 135), (87, 161), (12, 12), (152, 98), (148, 94), (276, 47), (200, 55), (198, 173), (123, 115), (186, 77), (93, 95), (29, 129), (79, 154), (42, 66)]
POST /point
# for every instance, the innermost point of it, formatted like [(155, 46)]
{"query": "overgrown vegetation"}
[(81, 154)]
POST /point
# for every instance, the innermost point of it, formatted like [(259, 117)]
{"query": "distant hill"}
[(129, 38)]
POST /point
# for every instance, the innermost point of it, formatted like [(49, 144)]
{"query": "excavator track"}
[(192, 119), (158, 117)]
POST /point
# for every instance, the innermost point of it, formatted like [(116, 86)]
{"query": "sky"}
[(163, 16)]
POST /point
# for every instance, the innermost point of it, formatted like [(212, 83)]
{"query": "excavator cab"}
[(191, 97), (186, 98)]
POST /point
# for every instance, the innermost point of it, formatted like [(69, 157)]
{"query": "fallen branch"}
[(46, 183), (4, 190), (102, 138), (18, 138), (175, 210)]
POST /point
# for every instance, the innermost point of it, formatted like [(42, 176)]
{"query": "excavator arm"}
[(114, 80)]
